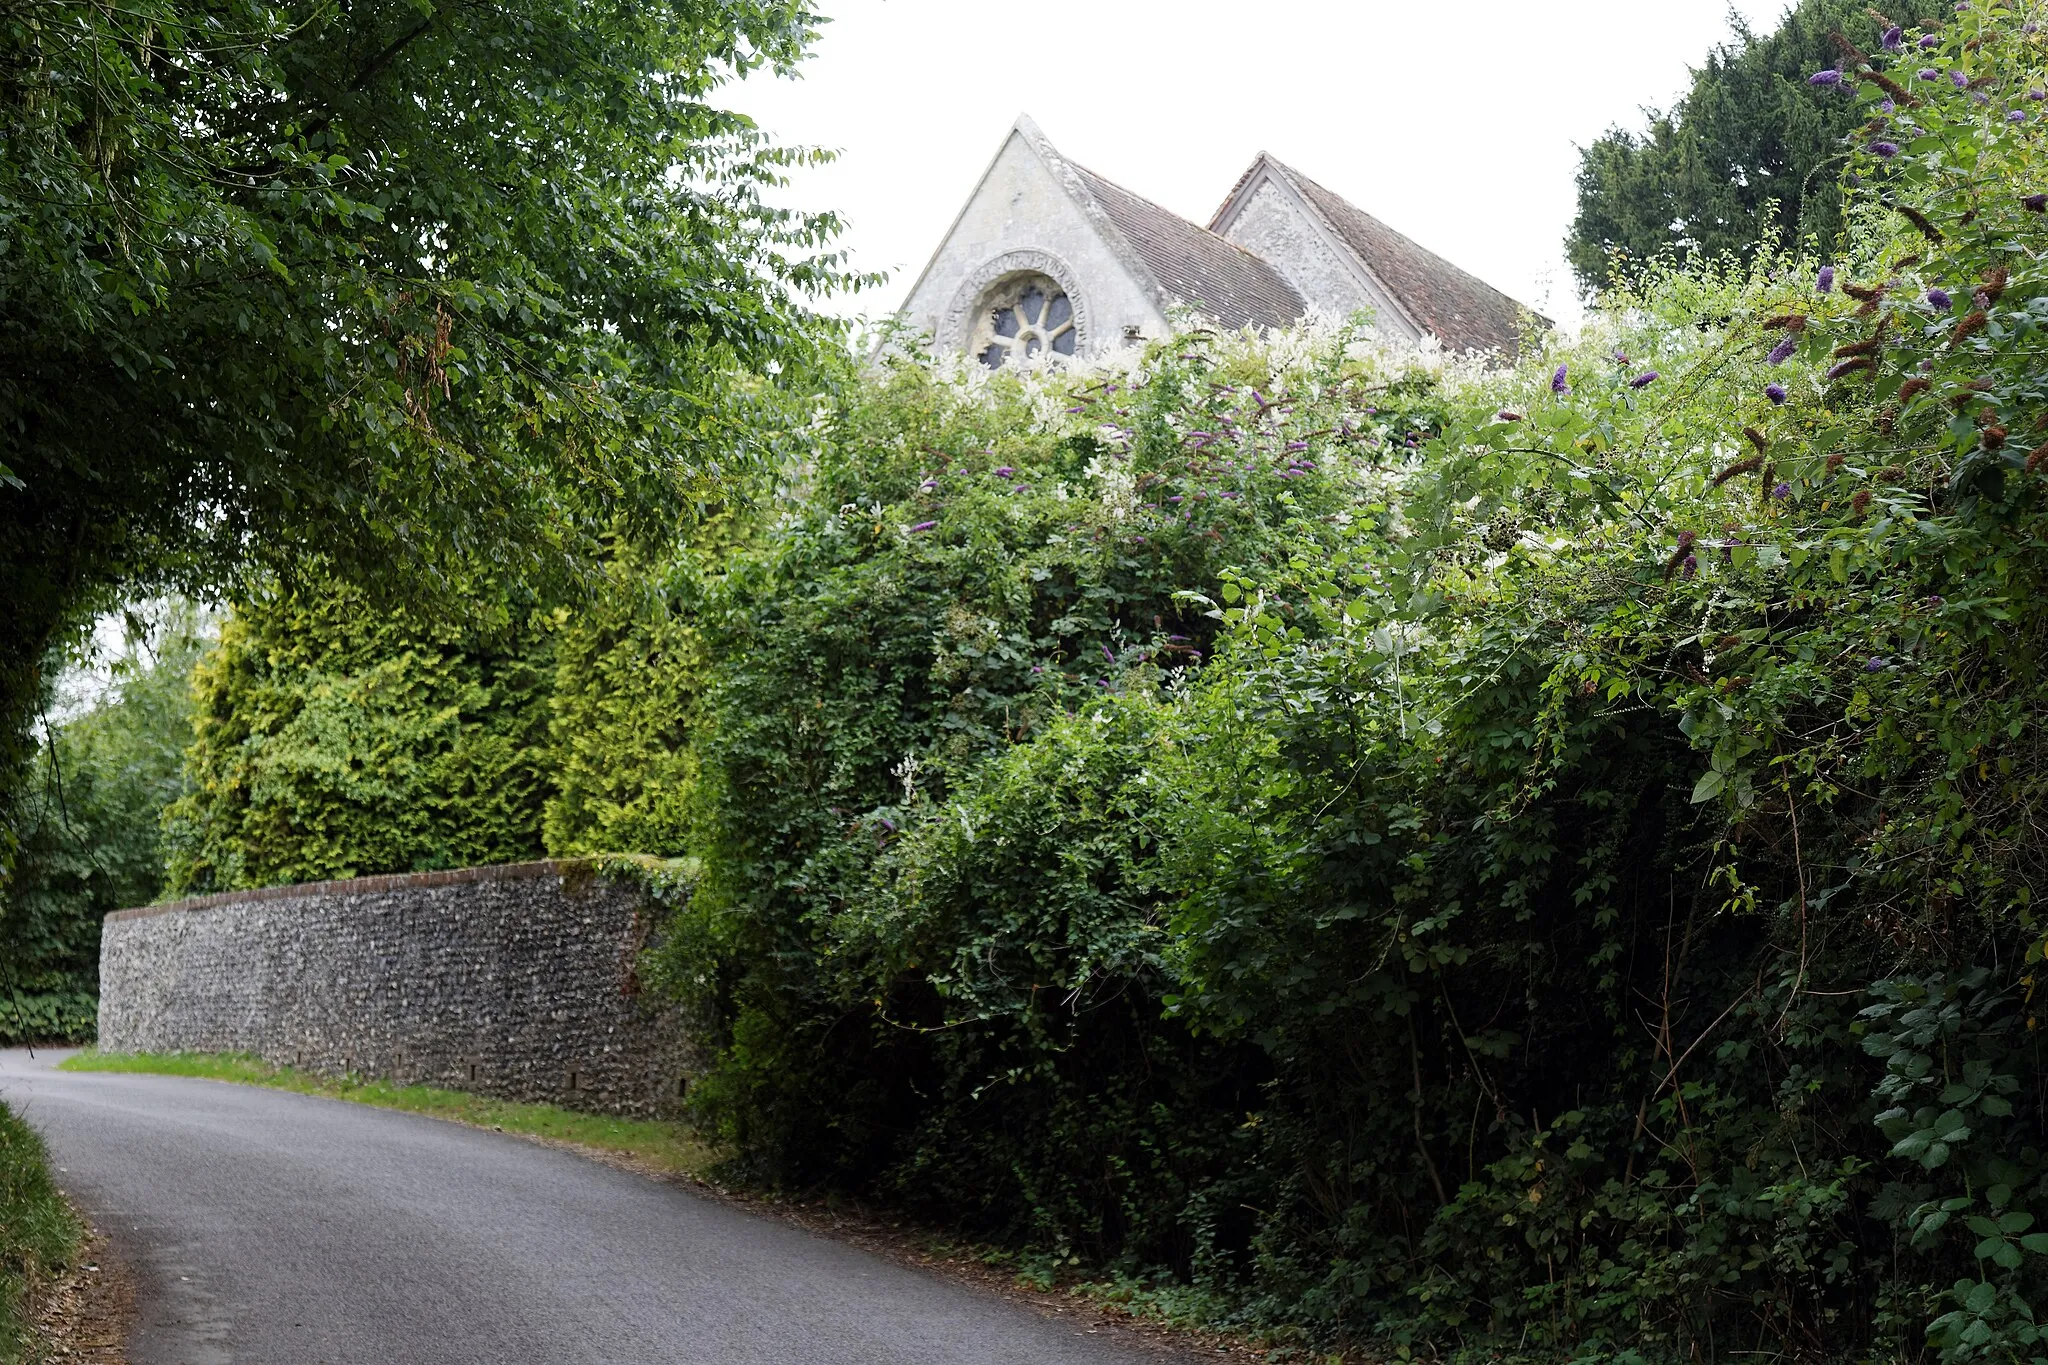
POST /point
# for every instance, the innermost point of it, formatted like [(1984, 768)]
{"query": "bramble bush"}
[(1583, 906)]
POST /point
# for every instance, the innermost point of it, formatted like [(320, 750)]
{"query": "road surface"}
[(282, 1229)]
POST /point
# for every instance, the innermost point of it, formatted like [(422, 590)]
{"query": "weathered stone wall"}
[(517, 981)]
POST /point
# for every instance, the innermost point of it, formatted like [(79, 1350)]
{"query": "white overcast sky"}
[(1455, 121)]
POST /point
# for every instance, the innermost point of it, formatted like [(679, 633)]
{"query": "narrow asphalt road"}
[(282, 1229)]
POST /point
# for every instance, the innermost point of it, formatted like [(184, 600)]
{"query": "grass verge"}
[(656, 1145), (38, 1232)]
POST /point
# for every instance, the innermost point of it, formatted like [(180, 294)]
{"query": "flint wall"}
[(517, 981)]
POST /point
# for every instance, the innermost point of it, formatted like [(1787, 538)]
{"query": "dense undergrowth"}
[(1527, 863), (85, 828)]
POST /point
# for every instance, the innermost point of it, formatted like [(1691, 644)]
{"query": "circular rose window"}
[(1024, 315)]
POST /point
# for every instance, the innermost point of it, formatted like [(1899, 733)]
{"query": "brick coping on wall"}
[(354, 886)]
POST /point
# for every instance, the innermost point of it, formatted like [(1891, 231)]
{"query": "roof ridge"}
[(1190, 264), (1460, 309)]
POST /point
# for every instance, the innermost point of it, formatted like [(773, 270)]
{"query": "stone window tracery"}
[(1025, 315)]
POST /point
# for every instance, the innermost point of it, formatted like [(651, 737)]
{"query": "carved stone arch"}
[(957, 324)]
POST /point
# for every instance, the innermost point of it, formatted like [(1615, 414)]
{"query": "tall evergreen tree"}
[(1751, 155)]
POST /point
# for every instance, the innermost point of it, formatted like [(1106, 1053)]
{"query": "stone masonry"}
[(518, 982)]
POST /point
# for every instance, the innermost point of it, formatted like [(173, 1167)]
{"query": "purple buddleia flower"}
[(1782, 491), (1297, 445), (1928, 73), (1107, 655), (1840, 368), (1828, 79), (1559, 382), (1929, 43), (1962, 5), (2037, 94), (887, 823), (922, 526), (1887, 107), (1887, 150), (2030, 27), (1003, 471), (2035, 203), (1876, 664), (1825, 281), (1644, 380), (1939, 300), (1958, 80), (1783, 351), (1894, 38), (1692, 566), (1775, 392), (2015, 116)]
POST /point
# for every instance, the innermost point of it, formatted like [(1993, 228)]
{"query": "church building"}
[(1049, 256)]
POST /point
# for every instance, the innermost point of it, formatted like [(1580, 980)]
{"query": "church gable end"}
[(1026, 268), (1267, 215)]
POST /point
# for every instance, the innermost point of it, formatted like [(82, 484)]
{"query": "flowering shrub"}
[(1584, 905)]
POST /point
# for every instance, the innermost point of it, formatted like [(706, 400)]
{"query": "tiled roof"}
[(1462, 311), (1193, 264)]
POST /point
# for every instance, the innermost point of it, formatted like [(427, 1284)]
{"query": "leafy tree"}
[(421, 286), (1752, 156), (90, 841)]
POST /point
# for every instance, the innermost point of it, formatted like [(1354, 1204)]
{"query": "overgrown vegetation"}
[(38, 1233), (1534, 863)]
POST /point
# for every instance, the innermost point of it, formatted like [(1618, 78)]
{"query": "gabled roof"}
[(1462, 311), (1177, 259), (1193, 264)]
